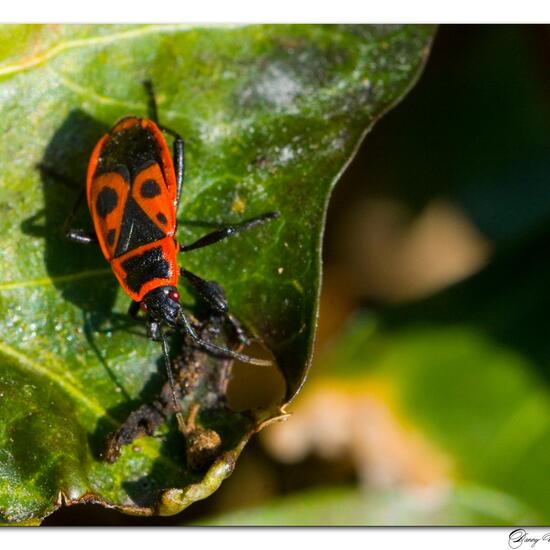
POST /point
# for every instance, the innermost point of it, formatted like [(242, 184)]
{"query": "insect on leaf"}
[(271, 115)]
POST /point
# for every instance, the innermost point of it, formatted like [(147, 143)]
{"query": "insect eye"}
[(174, 295), (143, 306)]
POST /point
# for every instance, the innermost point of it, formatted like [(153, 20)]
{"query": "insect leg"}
[(178, 151), (177, 407), (178, 155), (152, 101), (78, 235), (75, 235), (240, 332), (153, 330), (218, 351), (81, 237), (210, 291), (133, 310), (179, 164), (213, 294), (228, 231)]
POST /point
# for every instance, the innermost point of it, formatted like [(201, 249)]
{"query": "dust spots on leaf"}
[(275, 87), (293, 72)]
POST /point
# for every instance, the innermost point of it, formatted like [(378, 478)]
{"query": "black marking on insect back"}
[(162, 218), (111, 237), (121, 170), (133, 148), (106, 201), (136, 229), (145, 267), (149, 189)]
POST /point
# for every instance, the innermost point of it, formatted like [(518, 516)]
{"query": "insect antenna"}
[(179, 414), (219, 351)]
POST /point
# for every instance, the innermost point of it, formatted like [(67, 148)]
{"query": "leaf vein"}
[(49, 281), (46, 55), (35, 368)]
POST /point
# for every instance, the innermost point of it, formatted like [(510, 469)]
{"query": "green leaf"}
[(271, 115), (491, 381), (461, 505)]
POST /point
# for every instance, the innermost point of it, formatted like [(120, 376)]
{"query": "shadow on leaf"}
[(79, 272)]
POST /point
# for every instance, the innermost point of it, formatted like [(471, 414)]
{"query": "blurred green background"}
[(428, 400)]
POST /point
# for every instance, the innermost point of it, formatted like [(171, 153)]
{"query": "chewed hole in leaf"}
[(252, 387)]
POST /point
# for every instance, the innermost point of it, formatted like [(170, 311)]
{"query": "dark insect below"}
[(196, 376)]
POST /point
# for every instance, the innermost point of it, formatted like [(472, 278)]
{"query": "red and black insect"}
[(133, 190)]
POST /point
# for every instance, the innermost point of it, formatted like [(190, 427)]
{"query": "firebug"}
[(133, 189)]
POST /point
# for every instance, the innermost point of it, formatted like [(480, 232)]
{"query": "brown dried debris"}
[(201, 384)]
